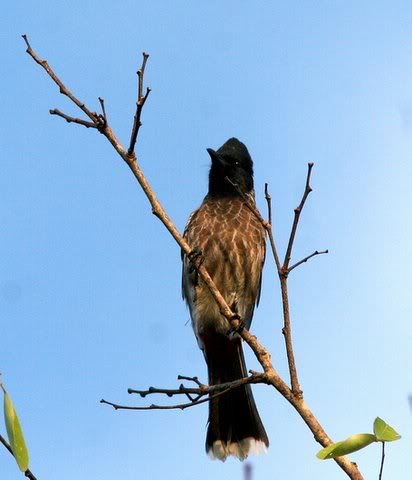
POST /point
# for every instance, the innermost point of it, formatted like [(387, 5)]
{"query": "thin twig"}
[(70, 119), (298, 211), (62, 88), (141, 100), (27, 473), (6, 444), (140, 74), (270, 228), (180, 406), (255, 377), (283, 276), (382, 461), (269, 203), (170, 392), (316, 252), (212, 391), (260, 352), (101, 100), (190, 379)]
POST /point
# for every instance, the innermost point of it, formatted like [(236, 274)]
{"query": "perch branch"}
[(262, 354)]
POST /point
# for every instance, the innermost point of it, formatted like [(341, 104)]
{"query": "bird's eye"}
[(236, 163)]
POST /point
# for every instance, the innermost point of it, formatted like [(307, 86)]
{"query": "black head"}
[(231, 163)]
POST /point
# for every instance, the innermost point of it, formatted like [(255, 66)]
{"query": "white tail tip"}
[(221, 450)]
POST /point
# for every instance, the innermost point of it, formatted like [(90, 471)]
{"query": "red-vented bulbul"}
[(231, 241)]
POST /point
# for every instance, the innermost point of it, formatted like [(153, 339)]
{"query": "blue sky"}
[(90, 281)]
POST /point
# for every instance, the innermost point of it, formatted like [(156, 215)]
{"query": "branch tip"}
[(26, 41), (141, 99), (101, 100), (305, 259)]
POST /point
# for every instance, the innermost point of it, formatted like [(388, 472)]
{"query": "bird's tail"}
[(235, 427)]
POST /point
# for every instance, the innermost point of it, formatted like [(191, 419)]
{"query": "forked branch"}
[(62, 88), (298, 211), (201, 394), (283, 270), (128, 155)]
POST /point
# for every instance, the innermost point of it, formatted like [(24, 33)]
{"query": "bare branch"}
[(269, 202), (287, 334), (298, 211), (157, 209), (27, 473), (101, 100), (179, 406), (62, 88), (287, 331), (382, 461), (316, 252), (261, 353), (69, 119), (283, 275), (270, 229), (141, 100), (212, 391), (190, 379), (182, 390), (203, 389)]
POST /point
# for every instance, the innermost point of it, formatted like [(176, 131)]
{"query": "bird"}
[(231, 240)]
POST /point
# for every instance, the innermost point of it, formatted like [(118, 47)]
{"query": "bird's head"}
[(231, 169)]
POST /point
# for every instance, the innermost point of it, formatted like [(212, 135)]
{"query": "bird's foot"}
[(195, 258), (239, 328)]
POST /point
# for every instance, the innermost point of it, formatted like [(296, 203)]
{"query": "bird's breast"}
[(232, 243)]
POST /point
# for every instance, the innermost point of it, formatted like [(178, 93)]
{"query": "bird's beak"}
[(216, 158)]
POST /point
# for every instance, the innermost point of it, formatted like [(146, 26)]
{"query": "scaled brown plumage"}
[(232, 243)]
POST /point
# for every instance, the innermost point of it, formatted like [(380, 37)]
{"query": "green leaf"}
[(351, 444), (15, 434), (384, 432)]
